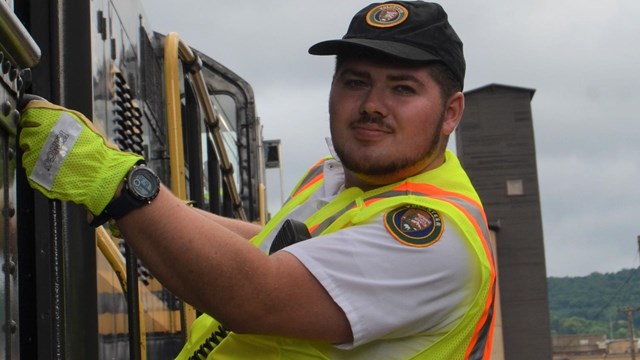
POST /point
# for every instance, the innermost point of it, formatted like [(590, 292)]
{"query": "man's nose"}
[(373, 103)]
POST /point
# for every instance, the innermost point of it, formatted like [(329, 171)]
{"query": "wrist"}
[(118, 190), (139, 187)]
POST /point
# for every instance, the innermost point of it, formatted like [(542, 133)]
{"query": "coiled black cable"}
[(208, 345)]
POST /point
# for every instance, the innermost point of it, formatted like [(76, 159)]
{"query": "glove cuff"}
[(114, 172)]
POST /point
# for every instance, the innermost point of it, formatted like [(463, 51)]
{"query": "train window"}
[(227, 108)]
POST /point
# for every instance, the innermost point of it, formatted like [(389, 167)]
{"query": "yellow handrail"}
[(108, 248), (174, 116), (174, 48), (261, 202), (112, 254)]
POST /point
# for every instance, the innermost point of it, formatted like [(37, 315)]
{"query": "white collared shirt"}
[(390, 292)]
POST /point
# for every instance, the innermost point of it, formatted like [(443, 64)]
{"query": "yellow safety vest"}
[(446, 189)]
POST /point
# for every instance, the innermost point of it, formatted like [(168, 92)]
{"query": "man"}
[(398, 264)]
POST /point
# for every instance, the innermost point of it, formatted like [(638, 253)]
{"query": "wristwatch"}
[(141, 186)]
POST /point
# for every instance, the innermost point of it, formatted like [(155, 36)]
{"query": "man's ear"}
[(453, 113)]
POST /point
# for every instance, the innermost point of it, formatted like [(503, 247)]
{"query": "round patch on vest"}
[(387, 15), (414, 225)]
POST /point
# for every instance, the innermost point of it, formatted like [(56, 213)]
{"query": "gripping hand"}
[(66, 158)]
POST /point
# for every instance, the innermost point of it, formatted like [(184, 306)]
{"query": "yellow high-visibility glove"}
[(66, 157)]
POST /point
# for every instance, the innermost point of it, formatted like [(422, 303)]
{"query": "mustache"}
[(366, 118)]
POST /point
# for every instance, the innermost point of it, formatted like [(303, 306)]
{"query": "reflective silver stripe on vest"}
[(475, 212), (311, 174), (328, 221)]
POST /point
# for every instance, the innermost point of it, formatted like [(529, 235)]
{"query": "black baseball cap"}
[(415, 31)]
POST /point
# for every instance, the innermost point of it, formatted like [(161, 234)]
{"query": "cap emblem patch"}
[(387, 15), (414, 225)]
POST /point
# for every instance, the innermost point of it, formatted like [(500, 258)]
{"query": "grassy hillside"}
[(594, 303)]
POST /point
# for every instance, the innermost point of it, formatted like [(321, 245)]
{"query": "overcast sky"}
[(581, 57)]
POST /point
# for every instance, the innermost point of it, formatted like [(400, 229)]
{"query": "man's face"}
[(386, 121)]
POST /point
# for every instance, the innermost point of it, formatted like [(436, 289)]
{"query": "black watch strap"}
[(100, 219), (117, 208), (141, 186)]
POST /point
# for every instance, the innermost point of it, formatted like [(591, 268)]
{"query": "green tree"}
[(590, 304)]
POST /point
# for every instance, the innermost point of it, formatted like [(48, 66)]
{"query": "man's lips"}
[(369, 131)]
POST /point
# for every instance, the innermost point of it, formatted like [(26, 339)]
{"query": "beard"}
[(378, 167)]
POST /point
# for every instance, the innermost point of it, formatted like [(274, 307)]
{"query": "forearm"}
[(179, 245), (222, 274), (245, 229)]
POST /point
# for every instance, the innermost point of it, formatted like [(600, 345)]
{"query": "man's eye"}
[(354, 83), (403, 89)]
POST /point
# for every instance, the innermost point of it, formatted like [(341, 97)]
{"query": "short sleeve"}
[(388, 289)]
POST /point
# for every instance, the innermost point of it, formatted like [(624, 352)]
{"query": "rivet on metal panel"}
[(13, 74), (6, 108), (9, 267), (15, 116), (13, 326), (26, 76)]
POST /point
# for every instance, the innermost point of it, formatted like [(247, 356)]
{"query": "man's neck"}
[(370, 182)]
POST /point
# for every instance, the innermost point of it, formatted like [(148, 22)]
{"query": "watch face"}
[(143, 183)]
